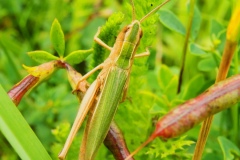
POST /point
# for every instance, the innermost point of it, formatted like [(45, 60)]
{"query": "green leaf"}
[(171, 88), (165, 76), (170, 147), (196, 23), (216, 28), (193, 87), (222, 39), (41, 56), (207, 64), (17, 131), (196, 50), (156, 109), (108, 35), (77, 56), (179, 144), (171, 21), (228, 148), (57, 38)]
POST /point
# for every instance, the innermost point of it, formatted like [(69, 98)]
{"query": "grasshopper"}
[(109, 88)]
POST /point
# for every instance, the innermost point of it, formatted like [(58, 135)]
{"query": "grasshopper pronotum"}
[(110, 87)]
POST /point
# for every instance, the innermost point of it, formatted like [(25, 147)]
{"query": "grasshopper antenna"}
[(133, 11), (154, 10)]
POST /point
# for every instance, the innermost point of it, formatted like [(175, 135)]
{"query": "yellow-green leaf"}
[(42, 71), (77, 56), (57, 38), (41, 56)]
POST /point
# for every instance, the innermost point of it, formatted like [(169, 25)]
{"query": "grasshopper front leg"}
[(146, 53), (100, 66), (115, 79), (100, 42)]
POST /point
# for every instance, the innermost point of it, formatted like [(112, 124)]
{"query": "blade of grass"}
[(17, 131)]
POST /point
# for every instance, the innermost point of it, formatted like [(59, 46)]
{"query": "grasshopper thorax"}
[(128, 40)]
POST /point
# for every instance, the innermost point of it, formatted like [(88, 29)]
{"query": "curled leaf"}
[(42, 71), (57, 38), (41, 56), (77, 56)]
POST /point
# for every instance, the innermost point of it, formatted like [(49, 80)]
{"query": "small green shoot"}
[(58, 41), (57, 38)]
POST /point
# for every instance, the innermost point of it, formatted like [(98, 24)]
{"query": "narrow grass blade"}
[(18, 132)]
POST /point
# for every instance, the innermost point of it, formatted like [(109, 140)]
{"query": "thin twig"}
[(192, 4), (222, 74)]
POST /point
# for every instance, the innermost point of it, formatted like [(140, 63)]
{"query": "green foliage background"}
[(51, 108)]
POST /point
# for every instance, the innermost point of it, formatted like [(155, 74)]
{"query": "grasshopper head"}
[(133, 32)]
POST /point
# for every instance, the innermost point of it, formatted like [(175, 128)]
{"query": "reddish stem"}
[(19, 90), (116, 144), (185, 116), (228, 53)]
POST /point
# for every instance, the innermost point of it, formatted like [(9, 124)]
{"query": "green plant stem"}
[(192, 4), (234, 111)]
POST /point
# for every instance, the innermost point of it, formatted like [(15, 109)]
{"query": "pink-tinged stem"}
[(217, 98), (116, 144), (20, 89), (184, 117), (228, 53)]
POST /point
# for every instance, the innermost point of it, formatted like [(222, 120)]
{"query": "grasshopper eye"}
[(125, 29), (141, 34)]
